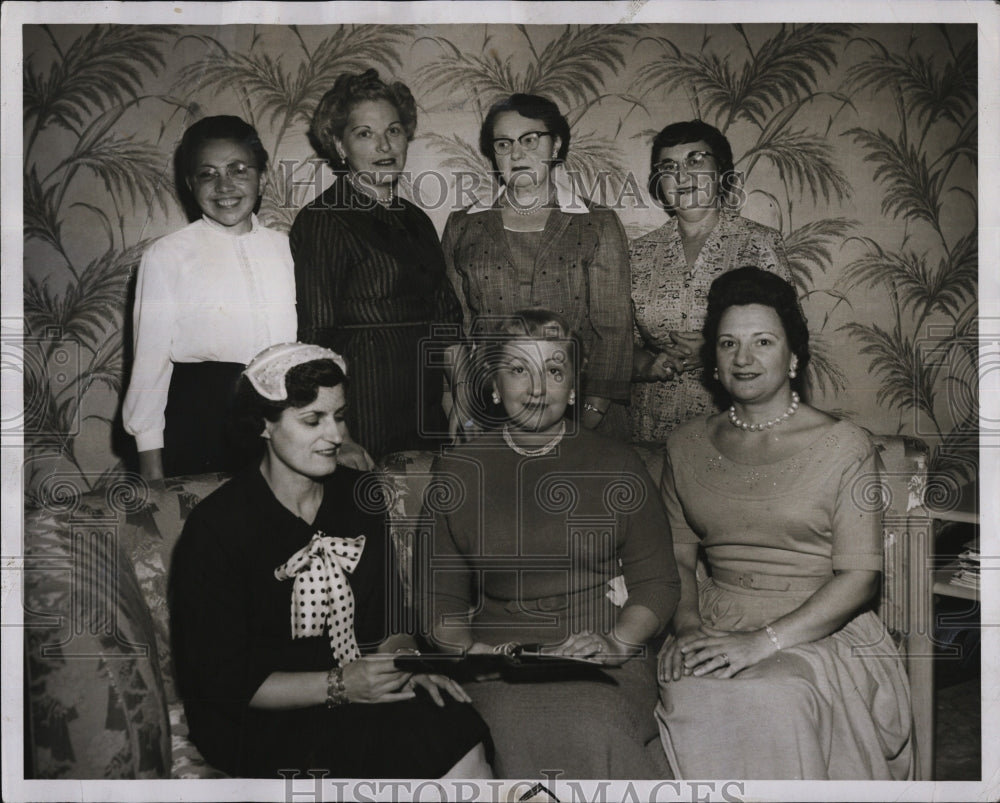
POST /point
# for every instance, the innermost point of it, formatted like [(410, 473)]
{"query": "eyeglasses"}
[(694, 161), (529, 141), (234, 171)]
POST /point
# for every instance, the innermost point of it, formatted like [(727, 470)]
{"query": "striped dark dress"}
[(371, 284)]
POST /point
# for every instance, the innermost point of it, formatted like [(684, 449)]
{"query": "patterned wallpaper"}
[(857, 141)]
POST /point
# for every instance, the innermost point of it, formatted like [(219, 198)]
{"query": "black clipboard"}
[(521, 662)]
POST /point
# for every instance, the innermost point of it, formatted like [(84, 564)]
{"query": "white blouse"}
[(204, 294)]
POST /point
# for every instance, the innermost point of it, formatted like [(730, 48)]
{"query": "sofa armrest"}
[(96, 706)]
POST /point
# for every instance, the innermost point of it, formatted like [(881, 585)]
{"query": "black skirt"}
[(408, 739), (198, 437)]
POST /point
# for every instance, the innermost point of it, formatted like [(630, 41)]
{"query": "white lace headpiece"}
[(267, 370)]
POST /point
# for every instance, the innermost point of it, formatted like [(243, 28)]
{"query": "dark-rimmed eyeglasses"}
[(693, 162), (528, 140), (234, 171)]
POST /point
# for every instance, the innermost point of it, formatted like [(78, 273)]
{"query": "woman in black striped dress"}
[(369, 271)]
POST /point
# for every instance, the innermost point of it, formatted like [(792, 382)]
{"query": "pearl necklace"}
[(523, 212), (548, 447), (737, 422), (385, 203)]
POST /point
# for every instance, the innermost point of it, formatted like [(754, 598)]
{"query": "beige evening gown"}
[(837, 708)]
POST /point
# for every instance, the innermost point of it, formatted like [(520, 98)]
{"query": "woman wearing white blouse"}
[(208, 298)]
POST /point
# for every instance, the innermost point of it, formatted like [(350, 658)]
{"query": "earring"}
[(496, 397), (572, 397), (791, 371), (715, 374)]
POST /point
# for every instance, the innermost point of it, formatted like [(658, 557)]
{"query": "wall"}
[(857, 142)]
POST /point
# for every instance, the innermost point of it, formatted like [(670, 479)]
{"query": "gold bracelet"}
[(336, 691), (773, 636), (591, 408)]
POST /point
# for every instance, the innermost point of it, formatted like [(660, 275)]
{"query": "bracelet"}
[(590, 408), (336, 691), (773, 636)]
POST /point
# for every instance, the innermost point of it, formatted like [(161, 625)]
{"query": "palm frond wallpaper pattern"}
[(858, 142)]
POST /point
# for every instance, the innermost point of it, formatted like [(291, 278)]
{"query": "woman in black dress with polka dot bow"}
[(282, 599)]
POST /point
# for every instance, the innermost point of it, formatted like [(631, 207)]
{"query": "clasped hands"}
[(673, 360), (375, 679), (705, 651)]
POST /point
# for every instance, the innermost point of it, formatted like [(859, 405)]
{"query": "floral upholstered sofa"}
[(101, 695), (101, 702)]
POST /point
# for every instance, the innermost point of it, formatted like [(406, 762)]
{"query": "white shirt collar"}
[(568, 198), (211, 224)]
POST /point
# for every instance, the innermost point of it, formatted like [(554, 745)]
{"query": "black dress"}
[(230, 628), (371, 284)]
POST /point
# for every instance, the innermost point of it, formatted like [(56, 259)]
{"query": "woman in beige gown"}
[(777, 667)]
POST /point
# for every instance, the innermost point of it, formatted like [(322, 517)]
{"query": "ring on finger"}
[(725, 659)]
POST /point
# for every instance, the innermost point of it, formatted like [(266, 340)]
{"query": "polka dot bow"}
[(321, 596)]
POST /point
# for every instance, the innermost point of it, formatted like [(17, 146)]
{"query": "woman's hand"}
[(593, 647), (434, 684), (375, 679), (354, 455), (670, 661), (722, 654), (688, 346), (667, 365)]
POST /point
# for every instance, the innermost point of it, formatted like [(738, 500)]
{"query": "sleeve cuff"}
[(619, 391), (655, 600), (684, 535), (147, 441), (842, 563)]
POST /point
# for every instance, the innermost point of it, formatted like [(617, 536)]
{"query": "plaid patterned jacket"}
[(581, 271)]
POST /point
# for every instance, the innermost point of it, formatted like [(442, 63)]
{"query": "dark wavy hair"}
[(349, 89), (751, 285), (223, 126), (302, 384), (207, 129), (695, 131), (531, 107)]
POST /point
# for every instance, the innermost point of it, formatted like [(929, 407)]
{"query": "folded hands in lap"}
[(705, 651), (375, 679)]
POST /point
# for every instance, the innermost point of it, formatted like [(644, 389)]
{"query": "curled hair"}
[(535, 323), (492, 336), (531, 107), (722, 152), (751, 285), (302, 384), (329, 120)]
